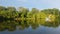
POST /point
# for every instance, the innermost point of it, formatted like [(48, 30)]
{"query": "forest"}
[(22, 13), (10, 17)]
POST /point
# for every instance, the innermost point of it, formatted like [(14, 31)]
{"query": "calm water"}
[(29, 27)]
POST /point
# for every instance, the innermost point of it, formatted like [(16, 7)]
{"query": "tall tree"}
[(11, 11), (23, 11)]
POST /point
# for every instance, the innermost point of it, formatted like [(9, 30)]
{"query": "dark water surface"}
[(29, 27)]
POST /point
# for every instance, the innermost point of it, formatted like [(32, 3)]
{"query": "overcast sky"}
[(39, 4)]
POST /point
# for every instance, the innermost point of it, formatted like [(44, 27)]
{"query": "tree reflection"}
[(26, 23), (8, 25)]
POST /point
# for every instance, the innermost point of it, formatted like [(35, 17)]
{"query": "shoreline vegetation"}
[(11, 13), (11, 19)]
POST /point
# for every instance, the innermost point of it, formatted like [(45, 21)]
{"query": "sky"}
[(39, 4)]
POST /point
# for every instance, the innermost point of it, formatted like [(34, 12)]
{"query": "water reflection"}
[(25, 24), (7, 25)]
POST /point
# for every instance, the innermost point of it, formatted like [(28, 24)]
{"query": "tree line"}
[(11, 13)]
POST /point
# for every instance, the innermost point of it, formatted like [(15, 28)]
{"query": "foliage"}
[(25, 17)]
